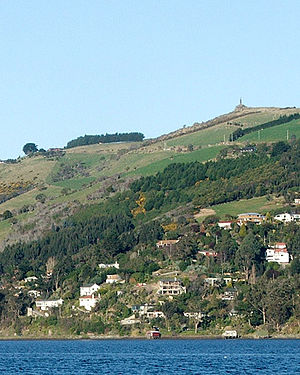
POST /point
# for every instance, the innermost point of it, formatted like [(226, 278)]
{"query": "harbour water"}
[(209, 357)]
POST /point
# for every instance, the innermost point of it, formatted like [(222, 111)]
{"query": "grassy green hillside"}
[(277, 133), (261, 205), (205, 137), (198, 155), (92, 173)]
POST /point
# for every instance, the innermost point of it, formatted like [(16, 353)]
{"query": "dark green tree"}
[(226, 247), (30, 148), (248, 253), (7, 215)]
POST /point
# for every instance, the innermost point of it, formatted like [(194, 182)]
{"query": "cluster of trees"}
[(6, 215), (105, 138), (281, 120), (67, 171), (224, 180)]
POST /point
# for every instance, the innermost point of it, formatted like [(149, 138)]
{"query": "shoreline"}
[(108, 337)]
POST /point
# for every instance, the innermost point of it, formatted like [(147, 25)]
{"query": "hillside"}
[(92, 173), (113, 239)]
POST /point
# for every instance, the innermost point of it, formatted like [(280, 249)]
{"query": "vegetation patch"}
[(201, 155), (277, 133), (105, 138), (281, 120), (13, 189)]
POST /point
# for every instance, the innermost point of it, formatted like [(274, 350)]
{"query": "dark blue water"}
[(151, 357)]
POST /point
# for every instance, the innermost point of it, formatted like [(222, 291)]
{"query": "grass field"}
[(260, 204), (209, 136), (199, 155), (4, 229), (277, 133), (132, 161), (74, 183), (257, 119), (102, 148), (29, 169)]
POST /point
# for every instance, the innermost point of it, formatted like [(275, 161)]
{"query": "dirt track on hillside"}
[(205, 212)]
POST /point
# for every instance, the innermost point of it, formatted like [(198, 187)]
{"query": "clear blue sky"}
[(71, 67)]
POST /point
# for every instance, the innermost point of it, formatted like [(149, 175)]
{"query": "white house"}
[(225, 224), (30, 279), (251, 217), (166, 243), (229, 294), (212, 281), (111, 279), (154, 314), (142, 309), (88, 289), (230, 334), (278, 253), (171, 287), (194, 315), (48, 304), (88, 302), (34, 293), (287, 218), (112, 265)]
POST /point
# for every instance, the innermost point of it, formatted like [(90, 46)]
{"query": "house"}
[(250, 217), (112, 265), (88, 289), (141, 309), (30, 279), (34, 293), (171, 287), (154, 314), (56, 149), (88, 301), (154, 334), (227, 225), (297, 201), (166, 243), (194, 315), (111, 279), (287, 218), (278, 253), (31, 312), (230, 334), (212, 281), (130, 320), (233, 313), (208, 253), (248, 149), (229, 294), (45, 305)]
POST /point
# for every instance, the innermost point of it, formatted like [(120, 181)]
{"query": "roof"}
[(251, 213), (169, 280), (86, 297), (88, 285), (167, 241)]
